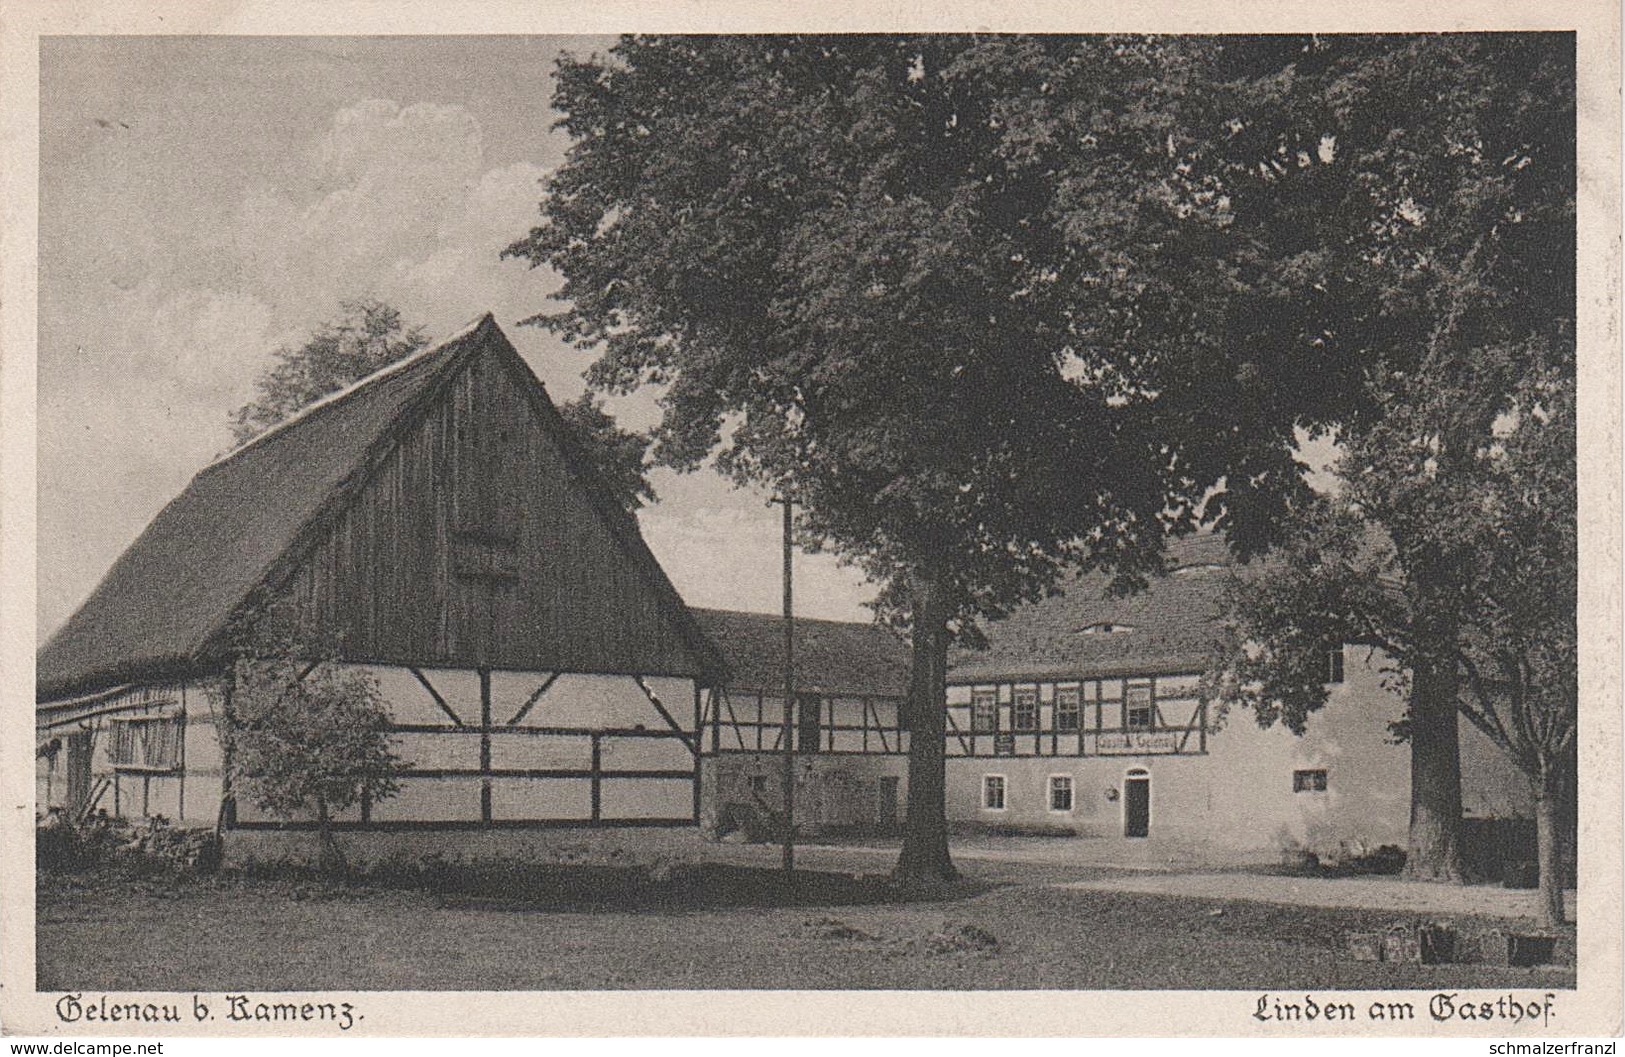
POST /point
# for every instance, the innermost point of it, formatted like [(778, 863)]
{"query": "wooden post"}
[(180, 794), (716, 719), (222, 733), (485, 746), (789, 692), (699, 742), (597, 779)]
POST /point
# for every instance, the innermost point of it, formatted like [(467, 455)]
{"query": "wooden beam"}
[(953, 726), (455, 718), (733, 721), (530, 702), (671, 720)]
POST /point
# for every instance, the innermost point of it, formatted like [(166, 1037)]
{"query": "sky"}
[(204, 201)]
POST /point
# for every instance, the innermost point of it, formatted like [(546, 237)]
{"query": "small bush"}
[(187, 850), (64, 846), (1388, 859), (152, 846)]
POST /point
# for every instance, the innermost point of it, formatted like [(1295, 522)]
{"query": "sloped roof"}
[(174, 591), (1170, 627), (832, 656)]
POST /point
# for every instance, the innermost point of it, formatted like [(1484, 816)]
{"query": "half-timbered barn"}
[(845, 724), (438, 522), (1082, 715)]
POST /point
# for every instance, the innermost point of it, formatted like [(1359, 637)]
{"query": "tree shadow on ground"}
[(591, 889)]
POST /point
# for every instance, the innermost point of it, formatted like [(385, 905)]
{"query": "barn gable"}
[(483, 540), (372, 505)]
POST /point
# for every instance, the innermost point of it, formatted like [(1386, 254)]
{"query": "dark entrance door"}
[(1137, 805), (78, 753)]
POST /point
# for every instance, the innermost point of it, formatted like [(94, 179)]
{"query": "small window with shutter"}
[(146, 743)]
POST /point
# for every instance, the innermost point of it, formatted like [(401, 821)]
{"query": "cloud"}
[(137, 381), (404, 211)]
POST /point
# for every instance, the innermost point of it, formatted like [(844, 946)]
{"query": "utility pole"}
[(788, 733)]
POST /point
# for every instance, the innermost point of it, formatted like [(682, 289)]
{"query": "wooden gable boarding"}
[(481, 539)]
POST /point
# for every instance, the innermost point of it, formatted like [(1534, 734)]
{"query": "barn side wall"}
[(742, 795), (585, 748), (187, 795)]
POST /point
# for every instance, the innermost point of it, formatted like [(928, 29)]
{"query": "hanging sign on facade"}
[(1138, 742)]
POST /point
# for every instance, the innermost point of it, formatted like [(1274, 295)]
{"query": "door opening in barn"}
[(1137, 803), (78, 771)]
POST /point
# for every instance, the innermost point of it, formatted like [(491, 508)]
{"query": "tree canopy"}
[(307, 739), (951, 291), (364, 337), (987, 307)]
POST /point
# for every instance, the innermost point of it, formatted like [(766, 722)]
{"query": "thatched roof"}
[(1170, 627), (163, 607), (832, 657)]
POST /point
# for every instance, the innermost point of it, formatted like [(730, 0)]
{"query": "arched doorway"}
[(1137, 803)]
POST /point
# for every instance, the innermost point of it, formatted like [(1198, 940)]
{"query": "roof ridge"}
[(344, 392), (798, 619)]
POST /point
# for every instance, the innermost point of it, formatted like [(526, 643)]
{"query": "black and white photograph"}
[(966, 512)]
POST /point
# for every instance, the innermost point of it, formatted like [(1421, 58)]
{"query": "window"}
[(1334, 665), (1313, 781), (984, 711), (758, 784), (1106, 627), (1060, 792), (1137, 708), (993, 792), (1025, 713), (147, 743), (484, 556), (1066, 709)]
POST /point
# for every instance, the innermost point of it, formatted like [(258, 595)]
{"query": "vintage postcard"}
[(736, 520)]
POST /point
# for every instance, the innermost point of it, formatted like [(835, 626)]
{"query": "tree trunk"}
[(330, 857), (1435, 852), (1549, 790), (925, 836)]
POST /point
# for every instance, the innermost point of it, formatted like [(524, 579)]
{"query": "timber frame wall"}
[(497, 731), (735, 720), (1124, 716)]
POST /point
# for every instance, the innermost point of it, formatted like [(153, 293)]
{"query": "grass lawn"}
[(716, 926)]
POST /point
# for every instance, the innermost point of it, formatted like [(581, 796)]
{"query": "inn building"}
[(1083, 715)]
